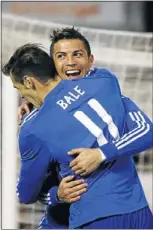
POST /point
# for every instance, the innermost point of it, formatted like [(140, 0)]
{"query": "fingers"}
[(70, 190), (73, 162), (19, 121), (75, 183), (78, 169), (80, 172), (78, 193), (72, 200), (68, 178), (20, 114), (74, 166), (79, 188), (26, 108), (83, 174), (75, 151), (21, 111)]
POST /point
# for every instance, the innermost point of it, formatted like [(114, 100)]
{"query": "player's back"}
[(75, 110), (88, 113)]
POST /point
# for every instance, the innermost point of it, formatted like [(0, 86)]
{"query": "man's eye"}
[(78, 54), (60, 56)]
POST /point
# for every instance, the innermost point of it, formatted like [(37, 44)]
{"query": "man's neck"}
[(48, 87)]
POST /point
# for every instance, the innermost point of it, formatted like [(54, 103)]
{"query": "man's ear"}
[(91, 59), (28, 82)]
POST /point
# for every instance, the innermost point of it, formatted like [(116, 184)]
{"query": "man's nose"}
[(71, 60)]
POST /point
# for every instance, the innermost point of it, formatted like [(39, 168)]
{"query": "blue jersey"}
[(48, 195), (87, 113)]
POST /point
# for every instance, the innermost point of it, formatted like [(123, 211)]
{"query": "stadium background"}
[(128, 54)]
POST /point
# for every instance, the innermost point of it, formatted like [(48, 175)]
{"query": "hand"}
[(87, 160), (70, 190), (24, 108)]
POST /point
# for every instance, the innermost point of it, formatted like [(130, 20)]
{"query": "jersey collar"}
[(90, 72)]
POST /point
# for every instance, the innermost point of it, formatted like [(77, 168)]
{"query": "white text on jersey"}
[(70, 97)]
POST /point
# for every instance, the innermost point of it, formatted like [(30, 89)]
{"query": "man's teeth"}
[(72, 72)]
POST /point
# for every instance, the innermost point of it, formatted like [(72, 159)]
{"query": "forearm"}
[(137, 138), (33, 172), (25, 195), (111, 151), (29, 187)]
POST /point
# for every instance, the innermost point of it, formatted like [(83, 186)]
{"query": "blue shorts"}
[(140, 219)]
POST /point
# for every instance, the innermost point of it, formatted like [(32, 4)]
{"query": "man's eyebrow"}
[(78, 51), (59, 52), (75, 51)]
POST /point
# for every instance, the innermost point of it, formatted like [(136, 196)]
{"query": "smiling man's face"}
[(71, 58)]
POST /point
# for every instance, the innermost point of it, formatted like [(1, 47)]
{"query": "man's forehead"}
[(69, 45)]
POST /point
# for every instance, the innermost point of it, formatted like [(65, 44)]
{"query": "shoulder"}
[(103, 72), (29, 144), (100, 73), (103, 75), (26, 137)]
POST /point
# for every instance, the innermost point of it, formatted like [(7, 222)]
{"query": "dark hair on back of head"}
[(68, 33), (31, 60)]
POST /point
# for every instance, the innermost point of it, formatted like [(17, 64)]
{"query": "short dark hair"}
[(32, 60), (68, 33)]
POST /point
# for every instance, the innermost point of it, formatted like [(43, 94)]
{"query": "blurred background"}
[(120, 34), (133, 16)]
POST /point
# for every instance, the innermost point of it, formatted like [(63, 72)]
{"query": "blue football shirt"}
[(87, 113)]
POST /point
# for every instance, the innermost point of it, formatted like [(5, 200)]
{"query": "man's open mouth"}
[(72, 74)]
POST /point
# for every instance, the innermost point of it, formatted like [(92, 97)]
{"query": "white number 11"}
[(92, 127)]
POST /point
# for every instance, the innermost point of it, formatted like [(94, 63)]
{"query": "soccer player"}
[(90, 121)]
